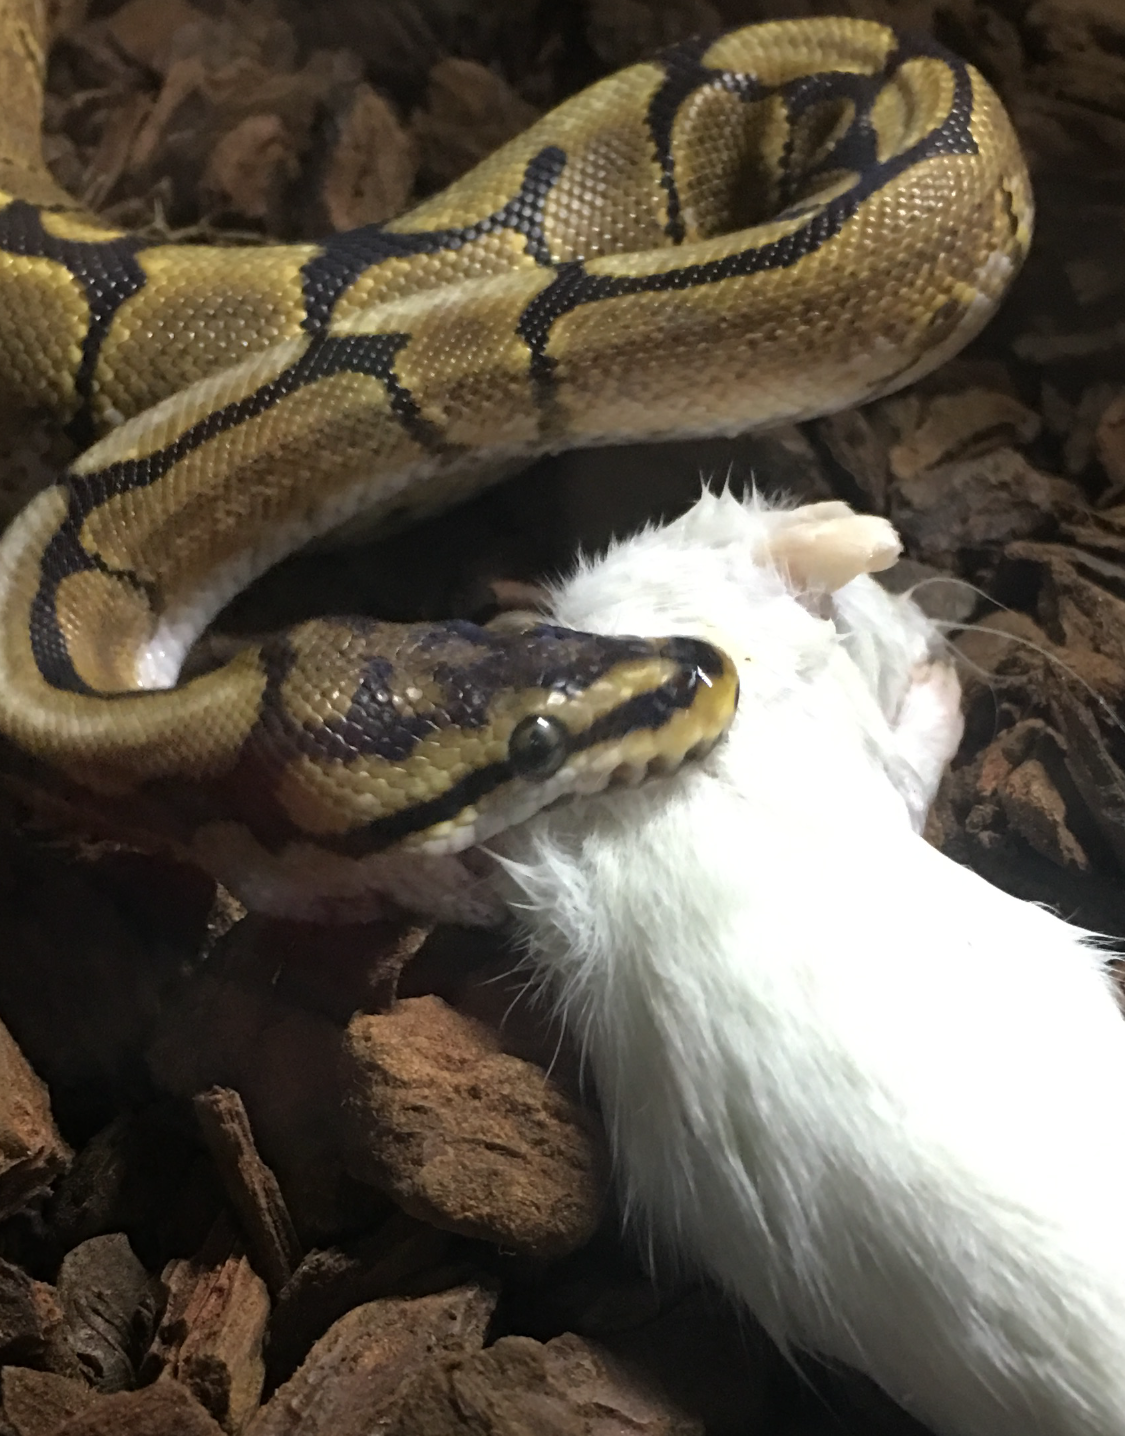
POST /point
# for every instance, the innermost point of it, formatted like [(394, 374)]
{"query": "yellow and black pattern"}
[(784, 221)]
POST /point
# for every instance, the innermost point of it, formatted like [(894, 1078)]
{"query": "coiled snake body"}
[(787, 220)]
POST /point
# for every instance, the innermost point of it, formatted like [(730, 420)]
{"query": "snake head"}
[(550, 713), (382, 754), (432, 738)]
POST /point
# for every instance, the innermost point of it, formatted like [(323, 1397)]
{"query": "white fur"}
[(877, 1099)]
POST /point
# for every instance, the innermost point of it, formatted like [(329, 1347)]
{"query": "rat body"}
[(875, 1098)]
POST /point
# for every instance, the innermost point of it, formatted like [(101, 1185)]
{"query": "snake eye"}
[(538, 746)]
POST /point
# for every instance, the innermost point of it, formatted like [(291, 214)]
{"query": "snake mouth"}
[(663, 765)]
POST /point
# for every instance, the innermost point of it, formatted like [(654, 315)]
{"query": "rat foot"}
[(825, 546)]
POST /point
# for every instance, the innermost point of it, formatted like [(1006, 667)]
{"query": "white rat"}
[(877, 1099)]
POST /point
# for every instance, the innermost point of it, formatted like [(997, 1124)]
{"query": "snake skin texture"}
[(784, 221)]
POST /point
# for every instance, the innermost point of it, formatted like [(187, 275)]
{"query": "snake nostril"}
[(683, 684)]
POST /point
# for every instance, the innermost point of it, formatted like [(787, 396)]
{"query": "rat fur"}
[(875, 1098)]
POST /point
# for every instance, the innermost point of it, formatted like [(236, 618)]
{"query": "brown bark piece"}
[(36, 1403), (1035, 808), (952, 423), (210, 1338), (518, 1387), (106, 1296), (401, 1257), (990, 499), (708, 1361), (32, 1154), (470, 111), (1094, 761), (356, 1375), (466, 1136), (165, 1409), (250, 1185), (33, 1329), (371, 171), (146, 29), (250, 165)]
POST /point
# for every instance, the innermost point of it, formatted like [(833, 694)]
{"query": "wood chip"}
[(33, 1329), (469, 112), (146, 30), (466, 1136), (357, 1374), (403, 1256), (36, 1403), (107, 1298), (1035, 808), (987, 500), (32, 1154), (210, 1337), (519, 1387), (250, 1185), (250, 166), (165, 1409), (373, 165)]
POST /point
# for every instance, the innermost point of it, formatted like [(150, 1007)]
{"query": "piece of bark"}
[(520, 1387), (336, 969), (402, 1257), (250, 1185), (371, 170), (988, 499), (859, 440), (1035, 808), (469, 112), (264, 1017), (142, 1175), (36, 1403), (165, 1409), (951, 425), (107, 1298), (1076, 604), (356, 1375), (466, 1136), (32, 1154), (210, 1338), (708, 1360), (33, 1329), (145, 30), (250, 166), (1098, 771)]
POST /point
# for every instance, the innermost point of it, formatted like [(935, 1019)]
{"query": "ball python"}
[(783, 221)]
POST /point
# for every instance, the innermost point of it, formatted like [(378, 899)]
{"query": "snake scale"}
[(787, 220)]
